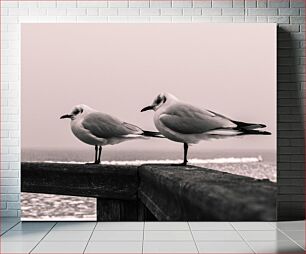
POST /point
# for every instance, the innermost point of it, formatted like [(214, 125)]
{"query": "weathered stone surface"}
[(190, 193), (169, 193), (111, 182)]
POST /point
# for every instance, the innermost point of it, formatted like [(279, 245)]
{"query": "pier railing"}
[(156, 192)]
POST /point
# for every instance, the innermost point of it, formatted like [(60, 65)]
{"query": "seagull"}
[(99, 129), (187, 124)]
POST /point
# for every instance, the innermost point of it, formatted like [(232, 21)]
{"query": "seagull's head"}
[(159, 101), (76, 112)]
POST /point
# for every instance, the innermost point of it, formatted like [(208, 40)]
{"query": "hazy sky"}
[(120, 68)]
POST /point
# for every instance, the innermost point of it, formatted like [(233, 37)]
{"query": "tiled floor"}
[(152, 237)]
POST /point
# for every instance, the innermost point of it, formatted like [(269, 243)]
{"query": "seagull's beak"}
[(65, 116), (147, 108)]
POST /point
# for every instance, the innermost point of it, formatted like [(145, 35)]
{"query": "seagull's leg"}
[(185, 154), (99, 156), (96, 154), (96, 157), (185, 157)]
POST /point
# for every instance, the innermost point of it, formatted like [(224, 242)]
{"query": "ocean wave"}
[(194, 161)]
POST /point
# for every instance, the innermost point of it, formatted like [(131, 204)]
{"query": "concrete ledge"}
[(198, 194), (147, 192), (115, 187), (100, 181)]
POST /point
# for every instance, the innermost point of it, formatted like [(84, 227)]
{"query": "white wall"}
[(289, 14)]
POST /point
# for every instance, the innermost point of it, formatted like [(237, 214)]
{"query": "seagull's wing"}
[(105, 126), (133, 128), (187, 119)]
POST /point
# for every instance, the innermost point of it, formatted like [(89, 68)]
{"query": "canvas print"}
[(168, 122)]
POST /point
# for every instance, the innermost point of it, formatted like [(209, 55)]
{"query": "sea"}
[(258, 164)]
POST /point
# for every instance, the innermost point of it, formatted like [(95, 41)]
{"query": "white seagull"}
[(99, 129), (184, 123)]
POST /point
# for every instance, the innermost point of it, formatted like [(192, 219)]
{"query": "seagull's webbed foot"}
[(93, 163)]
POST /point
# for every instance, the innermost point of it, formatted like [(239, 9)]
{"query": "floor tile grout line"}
[(244, 240), (93, 230), (10, 228), (42, 238), (193, 237), (290, 238), (143, 232), (121, 230), (291, 230), (233, 227), (273, 225), (159, 230), (250, 229), (168, 240)]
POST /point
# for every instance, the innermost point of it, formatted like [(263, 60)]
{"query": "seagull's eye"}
[(77, 111), (158, 100)]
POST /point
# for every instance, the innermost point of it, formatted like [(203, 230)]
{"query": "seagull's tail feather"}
[(153, 134), (230, 132), (254, 132), (248, 126)]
